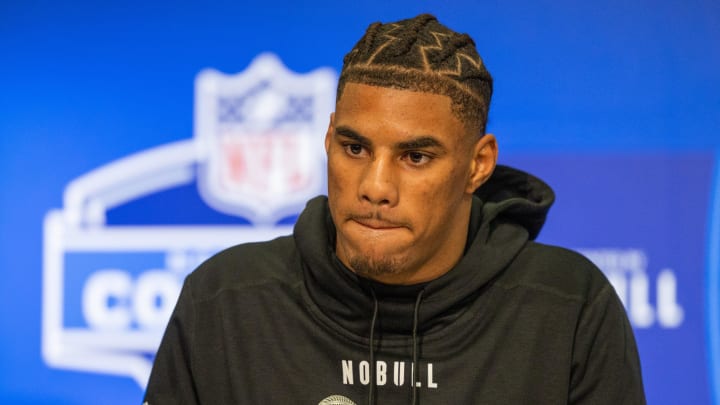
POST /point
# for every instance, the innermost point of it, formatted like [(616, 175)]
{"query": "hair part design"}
[(420, 54)]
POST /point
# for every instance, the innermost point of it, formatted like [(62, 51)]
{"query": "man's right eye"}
[(354, 149)]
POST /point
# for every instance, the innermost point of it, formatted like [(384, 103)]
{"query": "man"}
[(416, 280)]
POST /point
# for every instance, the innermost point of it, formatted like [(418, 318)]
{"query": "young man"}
[(417, 279)]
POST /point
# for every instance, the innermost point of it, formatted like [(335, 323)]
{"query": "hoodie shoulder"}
[(555, 270), (246, 265)]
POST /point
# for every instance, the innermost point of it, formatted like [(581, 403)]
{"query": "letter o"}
[(100, 287), (155, 295)]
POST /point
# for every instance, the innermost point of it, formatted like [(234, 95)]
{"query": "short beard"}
[(373, 269)]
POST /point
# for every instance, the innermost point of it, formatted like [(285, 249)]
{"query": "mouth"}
[(375, 224)]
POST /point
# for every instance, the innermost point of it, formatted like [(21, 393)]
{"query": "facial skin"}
[(401, 172)]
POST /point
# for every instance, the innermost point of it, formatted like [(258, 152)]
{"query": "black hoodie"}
[(514, 322)]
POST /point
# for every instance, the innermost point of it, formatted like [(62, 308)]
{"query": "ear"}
[(484, 160), (329, 132)]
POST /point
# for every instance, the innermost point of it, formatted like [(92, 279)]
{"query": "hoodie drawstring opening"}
[(415, 347)]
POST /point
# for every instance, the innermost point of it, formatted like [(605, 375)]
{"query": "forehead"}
[(399, 110)]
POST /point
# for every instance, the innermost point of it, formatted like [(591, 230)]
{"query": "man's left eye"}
[(417, 157)]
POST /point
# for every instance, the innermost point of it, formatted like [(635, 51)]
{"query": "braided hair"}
[(420, 54)]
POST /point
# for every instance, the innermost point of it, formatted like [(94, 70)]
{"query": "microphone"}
[(336, 400)]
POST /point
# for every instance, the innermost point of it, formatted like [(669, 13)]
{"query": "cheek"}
[(444, 186), (457, 180), (441, 194), (339, 182), (333, 183), (334, 191)]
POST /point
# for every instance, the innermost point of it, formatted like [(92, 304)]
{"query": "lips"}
[(377, 224)]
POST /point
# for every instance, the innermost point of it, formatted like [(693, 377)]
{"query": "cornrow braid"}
[(370, 36), (405, 42), (420, 54), (454, 45)]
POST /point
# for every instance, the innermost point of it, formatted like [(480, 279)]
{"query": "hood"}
[(511, 195), (507, 211)]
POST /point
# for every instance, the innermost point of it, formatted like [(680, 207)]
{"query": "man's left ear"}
[(483, 162)]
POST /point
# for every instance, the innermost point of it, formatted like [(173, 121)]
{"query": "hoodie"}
[(513, 322)]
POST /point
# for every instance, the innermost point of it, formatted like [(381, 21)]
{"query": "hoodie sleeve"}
[(606, 364), (171, 380)]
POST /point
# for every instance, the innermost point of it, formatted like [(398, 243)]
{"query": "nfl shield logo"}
[(260, 132)]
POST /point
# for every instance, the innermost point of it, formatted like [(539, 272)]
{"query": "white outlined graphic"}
[(257, 153)]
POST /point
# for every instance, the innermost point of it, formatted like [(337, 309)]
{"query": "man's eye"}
[(417, 158), (354, 149)]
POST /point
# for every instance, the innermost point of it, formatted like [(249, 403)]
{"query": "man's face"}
[(401, 173)]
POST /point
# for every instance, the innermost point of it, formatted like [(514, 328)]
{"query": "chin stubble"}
[(372, 268)]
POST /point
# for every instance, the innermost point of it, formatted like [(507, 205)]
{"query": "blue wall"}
[(616, 104)]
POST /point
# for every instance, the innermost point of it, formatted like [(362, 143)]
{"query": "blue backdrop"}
[(616, 104)]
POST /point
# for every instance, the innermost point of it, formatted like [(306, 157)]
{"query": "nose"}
[(378, 184)]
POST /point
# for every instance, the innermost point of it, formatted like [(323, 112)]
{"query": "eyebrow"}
[(420, 143), (349, 133), (423, 141)]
